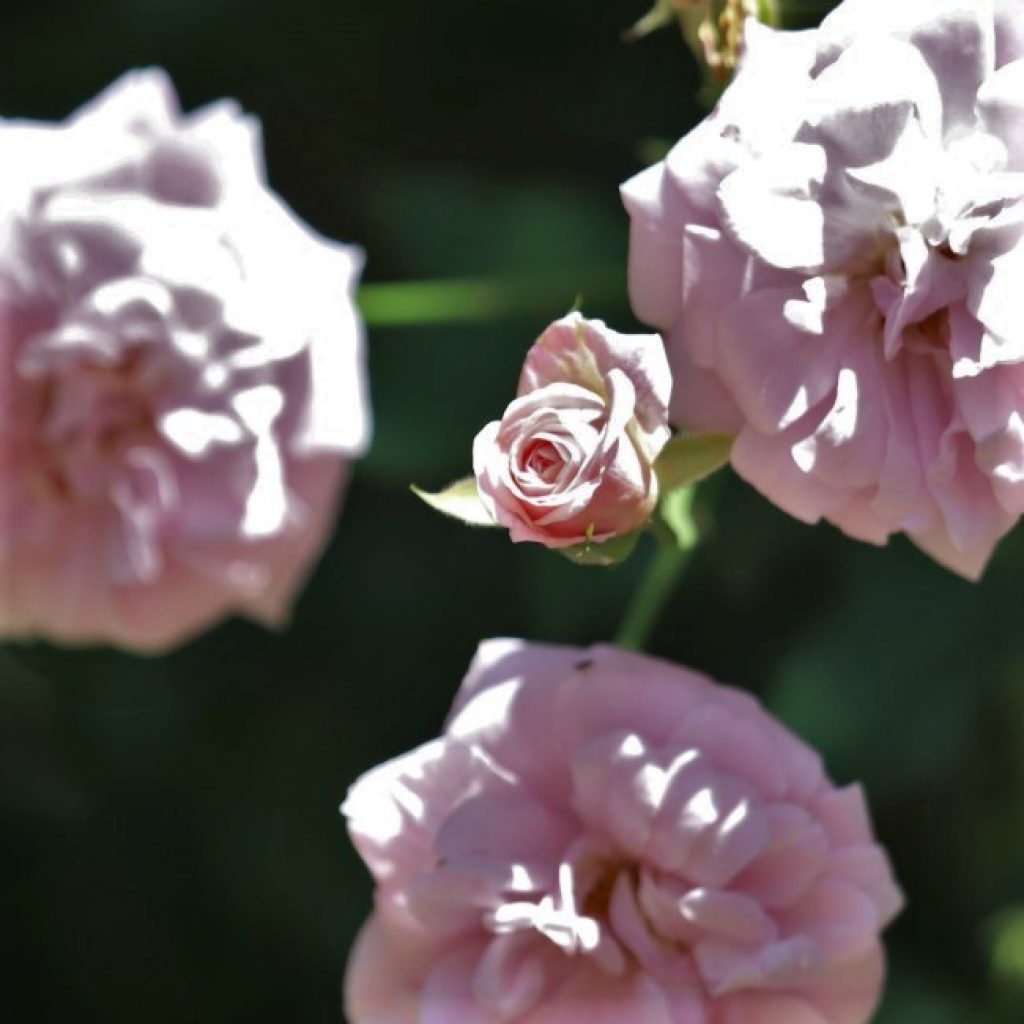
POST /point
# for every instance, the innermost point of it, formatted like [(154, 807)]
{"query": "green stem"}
[(660, 578), (469, 300)]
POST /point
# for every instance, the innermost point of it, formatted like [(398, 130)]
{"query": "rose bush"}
[(572, 459), (599, 836), (181, 374), (836, 256)]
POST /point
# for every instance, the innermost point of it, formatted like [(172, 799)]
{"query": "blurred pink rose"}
[(181, 374), (599, 838), (836, 254), (572, 459)]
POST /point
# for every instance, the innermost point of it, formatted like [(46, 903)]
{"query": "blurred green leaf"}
[(419, 303), (688, 459), (1008, 951), (460, 500)]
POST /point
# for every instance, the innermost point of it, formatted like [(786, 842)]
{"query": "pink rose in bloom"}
[(572, 459), (599, 838), (836, 255), (181, 374)]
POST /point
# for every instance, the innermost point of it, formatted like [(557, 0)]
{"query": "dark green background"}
[(170, 849)]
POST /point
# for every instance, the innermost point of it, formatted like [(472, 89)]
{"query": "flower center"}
[(597, 911), (543, 460), (88, 414), (555, 917)]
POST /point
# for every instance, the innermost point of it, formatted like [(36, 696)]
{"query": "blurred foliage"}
[(170, 849)]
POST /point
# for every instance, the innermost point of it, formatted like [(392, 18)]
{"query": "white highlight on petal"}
[(631, 746), (116, 297), (266, 508), (195, 431), (556, 919), (736, 816), (193, 345), (839, 426), (701, 811), (772, 208), (489, 710), (797, 408)]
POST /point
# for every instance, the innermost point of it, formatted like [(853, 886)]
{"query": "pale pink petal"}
[(1001, 105), (571, 462), (861, 264), (587, 843), (183, 366)]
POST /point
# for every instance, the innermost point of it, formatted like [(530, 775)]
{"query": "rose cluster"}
[(834, 256)]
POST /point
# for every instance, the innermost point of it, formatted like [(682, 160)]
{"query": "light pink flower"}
[(836, 254), (599, 837), (572, 459), (181, 374)]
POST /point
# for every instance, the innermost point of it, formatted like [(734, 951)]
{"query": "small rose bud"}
[(571, 462)]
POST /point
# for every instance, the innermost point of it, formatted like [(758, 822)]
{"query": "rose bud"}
[(572, 460)]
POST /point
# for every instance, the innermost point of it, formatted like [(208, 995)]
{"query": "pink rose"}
[(181, 374), (572, 459), (836, 255), (600, 837)]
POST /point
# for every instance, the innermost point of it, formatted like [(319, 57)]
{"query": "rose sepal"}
[(606, 553), (688, 458), (459, 500)]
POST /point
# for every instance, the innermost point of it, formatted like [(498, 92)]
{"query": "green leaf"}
[(687, 459), (609, 552), (460, 500), (676, 511), (1008, 949)]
